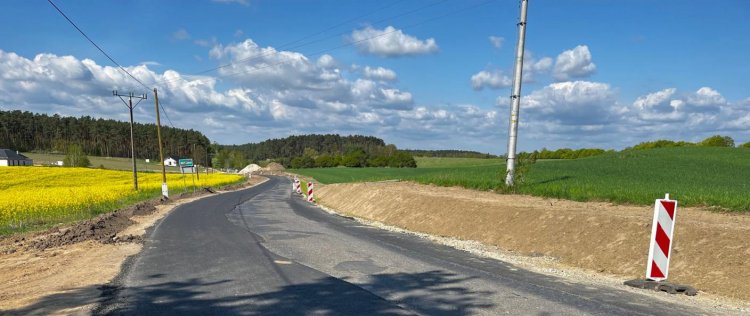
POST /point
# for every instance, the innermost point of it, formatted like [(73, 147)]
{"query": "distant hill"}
[(329, 150), (27, 131), (448, 153)]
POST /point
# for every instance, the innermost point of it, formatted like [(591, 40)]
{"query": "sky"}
[(421, 74)]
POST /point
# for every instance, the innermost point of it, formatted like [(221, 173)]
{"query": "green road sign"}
[(186, 162)]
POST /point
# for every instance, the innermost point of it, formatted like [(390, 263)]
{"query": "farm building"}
[(13, 158), (171, 162)]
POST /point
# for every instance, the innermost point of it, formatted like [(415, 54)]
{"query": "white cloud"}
[(706, 97), (181, 35), (491, 79), (206, 42), (497, 41), (390, 42), (379, 73), (572, 103), (574, 63), (238, 33), (150, 63), (241, 2), (654, 100), (533, 67), (285, 101), (270, 93)]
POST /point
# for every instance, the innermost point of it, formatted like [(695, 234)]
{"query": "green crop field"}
[(704, 176)]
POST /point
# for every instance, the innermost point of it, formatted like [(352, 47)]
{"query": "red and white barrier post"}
[(665, 211), (310, 192), (294, 183), (299, 187)]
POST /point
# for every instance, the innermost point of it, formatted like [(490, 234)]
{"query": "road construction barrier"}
[(665, 211), (310, 192), (299, 187), (294, 184)]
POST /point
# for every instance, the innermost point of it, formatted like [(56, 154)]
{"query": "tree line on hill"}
[(567, 153), (320, 151), (713, 141), (448, 153), (27, 131)]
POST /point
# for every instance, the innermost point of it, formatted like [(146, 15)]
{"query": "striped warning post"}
[(310, 192), (665, 211), (294, 184), (299, 187)]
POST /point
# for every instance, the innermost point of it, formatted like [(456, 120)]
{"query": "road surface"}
[(265, 251)]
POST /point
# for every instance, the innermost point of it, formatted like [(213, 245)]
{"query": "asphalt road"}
[(264, 251)]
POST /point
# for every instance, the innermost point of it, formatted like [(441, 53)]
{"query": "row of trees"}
[(229, 159), (27, 131), (294, 146), (388, 156), (448, 153), (712, 141), (567, 153), (563, 153), (320, 151)]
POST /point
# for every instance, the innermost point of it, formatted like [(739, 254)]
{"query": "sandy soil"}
[(69, 279), (711, 251)]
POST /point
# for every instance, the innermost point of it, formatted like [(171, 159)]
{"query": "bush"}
[(745, 145), (355, 159), (75, 157), (303, 162), (717, 141), (662, 143)]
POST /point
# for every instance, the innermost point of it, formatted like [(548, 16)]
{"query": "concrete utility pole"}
[(130, 106), (164, 188), (515, 98)]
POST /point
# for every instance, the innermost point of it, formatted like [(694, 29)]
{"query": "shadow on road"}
[(432, 293)]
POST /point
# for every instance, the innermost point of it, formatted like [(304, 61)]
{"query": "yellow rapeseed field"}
[(47, 195)]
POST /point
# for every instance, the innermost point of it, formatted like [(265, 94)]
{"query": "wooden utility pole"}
[(197, 174), (130, 106), (164, 188)]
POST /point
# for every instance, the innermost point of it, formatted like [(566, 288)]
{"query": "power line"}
[(109, 57), (285, 46), (165, 115), (97, 46)]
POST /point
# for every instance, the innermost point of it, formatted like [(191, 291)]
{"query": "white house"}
[(171, 162), (13, 158)]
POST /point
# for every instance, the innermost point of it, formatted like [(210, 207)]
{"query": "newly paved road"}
[(264, 251)]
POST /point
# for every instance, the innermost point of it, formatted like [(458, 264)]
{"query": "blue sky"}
[(432, 74)]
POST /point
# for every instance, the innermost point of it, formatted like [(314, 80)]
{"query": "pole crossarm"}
[(130, 106)]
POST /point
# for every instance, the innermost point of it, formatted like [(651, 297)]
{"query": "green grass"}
[(718, 177), (114, 163), (429, 162)]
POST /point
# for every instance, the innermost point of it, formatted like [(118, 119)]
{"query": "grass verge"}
[(696, 176)]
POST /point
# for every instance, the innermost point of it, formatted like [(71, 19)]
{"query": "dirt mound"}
[(102, 228), (274, 167), (710, 250), (250, 169)]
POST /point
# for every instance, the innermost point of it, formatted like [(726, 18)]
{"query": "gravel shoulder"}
[(78, 261), (585, 242)]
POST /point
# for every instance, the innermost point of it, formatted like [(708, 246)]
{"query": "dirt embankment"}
[(64, 270), (711, 250)]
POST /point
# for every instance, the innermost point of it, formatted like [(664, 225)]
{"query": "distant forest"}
[(448, 153), (26, 131), (330, 150)]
